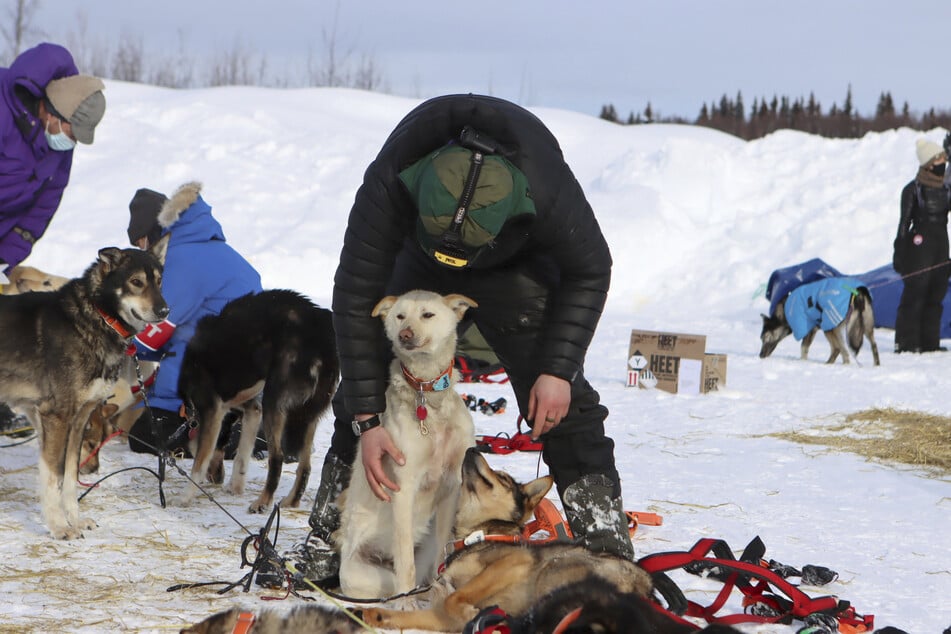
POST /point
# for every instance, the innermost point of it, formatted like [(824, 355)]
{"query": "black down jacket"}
[(383, 217)]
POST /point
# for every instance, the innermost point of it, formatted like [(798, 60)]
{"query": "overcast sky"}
[(675, 54)]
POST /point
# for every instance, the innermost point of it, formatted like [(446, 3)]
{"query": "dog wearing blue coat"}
[(841, 307)]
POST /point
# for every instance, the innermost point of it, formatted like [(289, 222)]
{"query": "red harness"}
[(503, 444), (767, 596), (471, 374)]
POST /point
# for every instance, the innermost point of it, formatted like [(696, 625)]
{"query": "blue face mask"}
[(60, 141)]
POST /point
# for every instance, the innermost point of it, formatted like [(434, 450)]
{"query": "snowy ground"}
[(697, 221)]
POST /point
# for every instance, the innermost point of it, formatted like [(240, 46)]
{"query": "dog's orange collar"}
[(440, 383), (115, 323), (478, 537), (547, 518), (244, 624)]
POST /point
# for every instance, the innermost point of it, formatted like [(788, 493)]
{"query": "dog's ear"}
[(110, 257), (536, 490), (160, 248), (383, 306), (459, 304)]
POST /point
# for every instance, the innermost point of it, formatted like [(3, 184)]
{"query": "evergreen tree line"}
[(125, 58), (806, 115)]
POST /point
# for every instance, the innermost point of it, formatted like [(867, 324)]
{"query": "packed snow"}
[(697, 220)]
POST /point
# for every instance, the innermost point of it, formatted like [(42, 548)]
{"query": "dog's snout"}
[(406, 334), (163, 311)]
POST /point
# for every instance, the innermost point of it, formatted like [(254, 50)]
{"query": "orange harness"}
[(549, 526), (245, 623)]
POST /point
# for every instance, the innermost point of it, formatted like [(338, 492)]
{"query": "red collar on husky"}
[(440, 383), (115, 323)]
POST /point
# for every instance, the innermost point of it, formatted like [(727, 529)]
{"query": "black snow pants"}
[(918, 322)]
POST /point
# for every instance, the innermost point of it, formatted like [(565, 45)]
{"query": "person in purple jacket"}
[(202, 274), (46, 106)]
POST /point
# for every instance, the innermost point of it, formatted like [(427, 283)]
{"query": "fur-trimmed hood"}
[(183, 198), (188, 217)]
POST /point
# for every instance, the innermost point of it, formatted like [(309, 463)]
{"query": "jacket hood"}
[(34, 68), (188, 217)]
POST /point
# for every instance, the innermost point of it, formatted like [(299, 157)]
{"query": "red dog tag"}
[(422, 412)]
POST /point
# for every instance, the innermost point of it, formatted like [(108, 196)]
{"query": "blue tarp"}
[(884, 284)]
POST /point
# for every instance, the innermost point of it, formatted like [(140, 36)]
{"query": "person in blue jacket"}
[(202, 274)]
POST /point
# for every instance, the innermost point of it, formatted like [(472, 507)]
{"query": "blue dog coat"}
[(824, 303)]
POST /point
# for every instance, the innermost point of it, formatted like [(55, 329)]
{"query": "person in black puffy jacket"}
[(921, 252), (529, 252)]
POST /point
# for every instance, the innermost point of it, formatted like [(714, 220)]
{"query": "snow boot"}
[(315, 558), (596, 517)]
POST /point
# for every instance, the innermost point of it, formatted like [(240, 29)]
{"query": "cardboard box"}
[(674, 362), (714, 372)]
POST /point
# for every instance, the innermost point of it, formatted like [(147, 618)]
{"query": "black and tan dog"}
[(60, 356), (272, 355), (495, 571)]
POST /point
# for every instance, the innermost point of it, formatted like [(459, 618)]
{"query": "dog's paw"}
[(187, 498), (260, 506), (65, 532), (289, 502), (374, 617), (216, 473), (86, 523), (235, 488)]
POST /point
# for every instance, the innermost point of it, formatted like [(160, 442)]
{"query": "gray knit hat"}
[(79, 100)]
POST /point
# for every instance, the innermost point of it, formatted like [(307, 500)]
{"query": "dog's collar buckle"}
[(474, 538), (479, 536)]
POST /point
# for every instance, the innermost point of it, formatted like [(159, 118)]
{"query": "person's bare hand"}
[(548, 403), (376, 444)]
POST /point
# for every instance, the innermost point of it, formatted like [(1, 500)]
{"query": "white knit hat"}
[(927, 150)]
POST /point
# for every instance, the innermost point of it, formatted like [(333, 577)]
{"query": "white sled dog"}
[(390, 548)]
